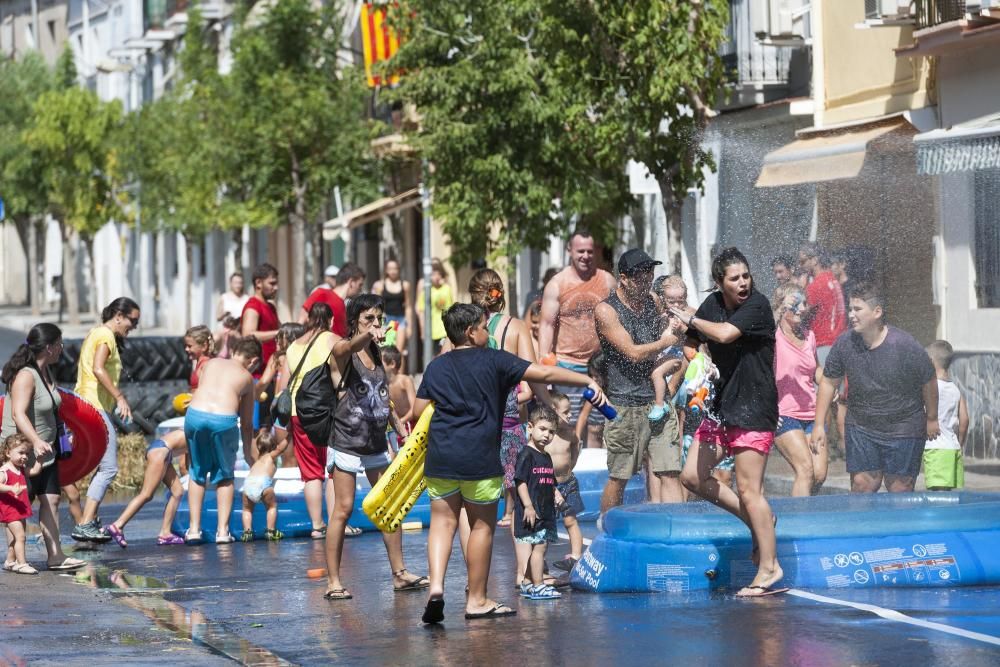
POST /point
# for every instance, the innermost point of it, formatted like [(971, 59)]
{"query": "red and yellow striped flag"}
[(380, 43)]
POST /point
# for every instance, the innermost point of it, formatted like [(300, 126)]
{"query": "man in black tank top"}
[(628, 325)]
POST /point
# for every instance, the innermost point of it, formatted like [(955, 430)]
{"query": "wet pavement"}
[(254, 604)]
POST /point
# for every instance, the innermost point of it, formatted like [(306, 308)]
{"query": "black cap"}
[(635, 260)]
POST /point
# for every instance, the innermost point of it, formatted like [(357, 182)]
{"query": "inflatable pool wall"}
[(591, 472), (855, 541)]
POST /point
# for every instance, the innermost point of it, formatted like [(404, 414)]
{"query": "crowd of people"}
[(701, 396)]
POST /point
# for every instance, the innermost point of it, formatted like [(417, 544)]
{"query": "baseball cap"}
[(331, 271), (634, 260)]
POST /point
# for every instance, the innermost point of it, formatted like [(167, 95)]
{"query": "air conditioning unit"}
[(787, 24), (891, 10)]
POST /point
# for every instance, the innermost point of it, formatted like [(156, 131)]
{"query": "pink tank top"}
[(576, 334), (795, 375)]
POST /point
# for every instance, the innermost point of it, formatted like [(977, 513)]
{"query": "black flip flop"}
[(338, 594), (418, 584), (764, 591), (434, 611), (492, 613)]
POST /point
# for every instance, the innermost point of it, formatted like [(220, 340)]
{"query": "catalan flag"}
[(380, 43)]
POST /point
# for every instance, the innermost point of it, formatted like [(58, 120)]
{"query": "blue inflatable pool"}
[(845, 541), (293, 519)]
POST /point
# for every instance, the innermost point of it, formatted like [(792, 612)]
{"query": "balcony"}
[(946, 27), (156, 13)]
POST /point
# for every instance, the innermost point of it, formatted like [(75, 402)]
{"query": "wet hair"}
[(458, 318), (266, 442), (673, 281), (11, 442), (391, 355), (557, 396), (247, 347), (783, 260), (320, 317), (120, 306), (838, 257), (542, 413), (597, 368), (810, 249), (486, 290), (263, 272), (231, 322), (535, 308), (202, 335), (348, 272), (39, 337), (871, 295), (288, 332), (726, 258), (780, 294), (941, 353), (550, 273), (358, 305)]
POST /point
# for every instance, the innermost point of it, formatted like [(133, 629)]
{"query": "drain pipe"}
[(425, 215)]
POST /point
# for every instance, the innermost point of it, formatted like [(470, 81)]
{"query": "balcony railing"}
[(935, 12), (156, 12)]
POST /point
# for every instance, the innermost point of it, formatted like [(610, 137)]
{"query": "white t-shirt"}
[(948, 399), (233, 304)]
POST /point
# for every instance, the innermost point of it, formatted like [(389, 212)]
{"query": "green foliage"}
[(22, 82), (531, 108), (300, 128), (71, 134), (66, 74)]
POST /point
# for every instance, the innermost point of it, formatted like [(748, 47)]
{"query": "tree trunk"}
[(34, 284), (71, 295), (512, 282), (92, 292), (316, 239), (672, 208), (237, 253), (189, 259), (297, 218)]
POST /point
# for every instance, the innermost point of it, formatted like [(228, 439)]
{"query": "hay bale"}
[(131, 465)]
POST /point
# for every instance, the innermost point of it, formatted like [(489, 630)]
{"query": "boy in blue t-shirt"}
[(469, 387)]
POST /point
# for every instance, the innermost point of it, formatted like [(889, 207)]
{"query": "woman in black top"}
[(395, 293), (737, 324)]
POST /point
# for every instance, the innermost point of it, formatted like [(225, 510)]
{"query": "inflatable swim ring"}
[(90, 428), (837, 541), (401, 486)]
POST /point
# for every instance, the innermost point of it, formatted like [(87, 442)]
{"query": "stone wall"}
[(978, 375)]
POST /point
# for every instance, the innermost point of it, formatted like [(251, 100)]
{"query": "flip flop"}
[(492, 613), (352, 531), (417, 584), (764, 591), (338, 594), (68, 564), (434, 611)]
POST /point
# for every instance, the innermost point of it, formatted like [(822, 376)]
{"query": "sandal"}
[(8, 565), (352, 531), (319, 534), (23, 568), (66, 564), (169, 540), (194, 538), (117, 534), (417, 584), (338, 594)]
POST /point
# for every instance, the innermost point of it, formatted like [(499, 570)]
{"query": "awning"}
[(964, 147), (372, 212), (823, 155)]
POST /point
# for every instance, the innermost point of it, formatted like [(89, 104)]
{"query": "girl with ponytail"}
[(199, 344)]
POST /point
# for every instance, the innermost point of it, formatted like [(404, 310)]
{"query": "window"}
[(987, 243)]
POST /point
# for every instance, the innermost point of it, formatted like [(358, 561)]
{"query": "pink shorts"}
[(733, 437)]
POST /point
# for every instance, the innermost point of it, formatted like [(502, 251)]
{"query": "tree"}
[(531, 109), (300, 129), (176, 149), (21, 83), (71, 133)]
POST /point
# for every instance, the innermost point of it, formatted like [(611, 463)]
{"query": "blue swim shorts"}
[(868, 451), (213, 441)]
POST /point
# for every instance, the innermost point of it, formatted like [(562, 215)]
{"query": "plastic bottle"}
[(606, 409)]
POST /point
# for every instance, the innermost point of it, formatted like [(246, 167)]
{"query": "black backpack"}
[(315, 400)]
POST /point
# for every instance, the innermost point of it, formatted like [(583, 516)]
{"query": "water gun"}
[(698, 381), (391, 331)]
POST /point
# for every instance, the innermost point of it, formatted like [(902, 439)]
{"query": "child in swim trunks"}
[(221, 412), (402, 394), (565, 450), (535, 503), (259, 487)]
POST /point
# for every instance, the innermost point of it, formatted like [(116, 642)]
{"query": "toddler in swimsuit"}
[(259, 487)]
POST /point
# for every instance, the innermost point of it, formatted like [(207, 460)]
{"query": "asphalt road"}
[(10, 339)]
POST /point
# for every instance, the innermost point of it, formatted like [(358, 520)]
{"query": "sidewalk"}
[(979, 476)]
